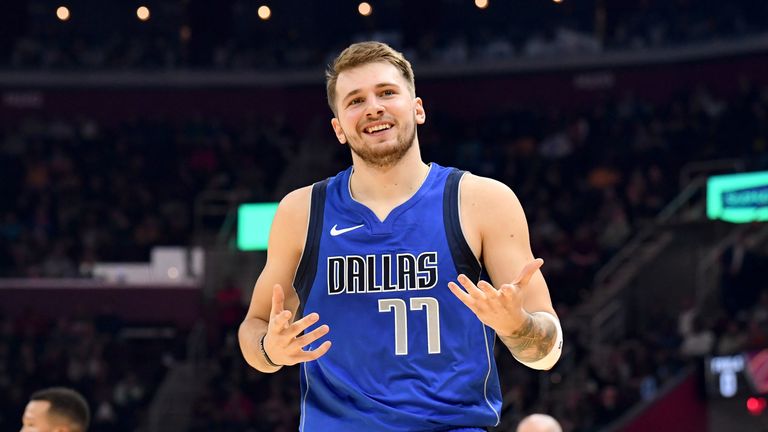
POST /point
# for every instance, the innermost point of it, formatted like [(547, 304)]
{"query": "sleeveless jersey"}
[(407, 355)]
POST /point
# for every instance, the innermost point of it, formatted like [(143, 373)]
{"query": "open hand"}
[(282, 343), (501, 309)]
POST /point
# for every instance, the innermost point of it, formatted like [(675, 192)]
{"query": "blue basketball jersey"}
[(407, 355)]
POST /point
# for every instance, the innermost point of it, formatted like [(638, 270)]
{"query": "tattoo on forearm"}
[(533, 340)]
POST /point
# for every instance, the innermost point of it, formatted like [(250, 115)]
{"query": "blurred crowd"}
[(117, 370), (228, 35), (76, 192)]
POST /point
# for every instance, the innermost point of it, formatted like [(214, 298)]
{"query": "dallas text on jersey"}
[(353, 274)]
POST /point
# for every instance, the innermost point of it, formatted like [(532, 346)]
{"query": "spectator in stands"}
[(539, 423), (56, 409)]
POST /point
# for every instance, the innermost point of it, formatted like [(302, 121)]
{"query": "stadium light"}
[(365, 9), (142, 13), (62, 13), (264, 12)]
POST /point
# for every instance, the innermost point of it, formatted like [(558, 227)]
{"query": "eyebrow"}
[(379, 85)]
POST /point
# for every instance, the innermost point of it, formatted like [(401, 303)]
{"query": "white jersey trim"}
[(304, 399), (488, 375)]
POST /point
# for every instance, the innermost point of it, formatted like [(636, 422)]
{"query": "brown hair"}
[(363, 53)]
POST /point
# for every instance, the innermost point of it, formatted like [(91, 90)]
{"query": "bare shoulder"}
[(297, 200), (292, 217), (489, 209), (486, 195)]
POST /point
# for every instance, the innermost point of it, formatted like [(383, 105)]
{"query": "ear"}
[(421, 115), (338, 130)]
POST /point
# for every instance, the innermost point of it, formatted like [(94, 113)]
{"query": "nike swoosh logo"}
[(335, 231)]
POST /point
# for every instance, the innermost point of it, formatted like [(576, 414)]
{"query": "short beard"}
[(389, 157)]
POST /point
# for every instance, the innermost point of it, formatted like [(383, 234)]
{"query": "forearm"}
[(535, 339), (249, 334)]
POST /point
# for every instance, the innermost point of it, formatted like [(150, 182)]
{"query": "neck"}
[(395, 183)]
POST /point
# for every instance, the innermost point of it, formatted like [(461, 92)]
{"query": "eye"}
[(388, 92), (356, 101)]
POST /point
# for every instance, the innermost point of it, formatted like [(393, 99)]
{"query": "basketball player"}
[(56, 409), (539, 423), (381, 265)]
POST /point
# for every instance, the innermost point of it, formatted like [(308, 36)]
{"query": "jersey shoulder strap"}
[(463, 257), (305, 273)]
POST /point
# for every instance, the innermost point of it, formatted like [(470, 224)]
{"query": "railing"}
[(628, 253), (605, 312)]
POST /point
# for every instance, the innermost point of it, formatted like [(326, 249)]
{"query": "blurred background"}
[(131, 132)]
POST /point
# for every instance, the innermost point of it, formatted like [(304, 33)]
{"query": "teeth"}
[(378, 128)]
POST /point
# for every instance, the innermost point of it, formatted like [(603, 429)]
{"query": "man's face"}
[(37, 419), (376, 113)]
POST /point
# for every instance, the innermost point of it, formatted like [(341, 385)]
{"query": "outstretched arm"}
[(520, 309)]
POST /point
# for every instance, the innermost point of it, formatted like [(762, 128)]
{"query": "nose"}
[(373, 107)]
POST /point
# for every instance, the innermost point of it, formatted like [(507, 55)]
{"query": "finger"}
[(314, 354), (487, 289), (304, 323), (528, 271), (278, 299), (507, 290), (282, 320), (471, 288), (461, 294), (312, 336)]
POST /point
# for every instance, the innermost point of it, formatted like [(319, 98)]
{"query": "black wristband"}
[(263, 351)]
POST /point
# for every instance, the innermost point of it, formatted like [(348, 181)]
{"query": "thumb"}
[(278, 299), (528, 271)]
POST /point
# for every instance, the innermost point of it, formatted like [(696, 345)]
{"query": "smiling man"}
[(372, 281), (56, 409)]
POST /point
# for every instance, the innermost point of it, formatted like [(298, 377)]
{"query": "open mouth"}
[(378, 128)]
